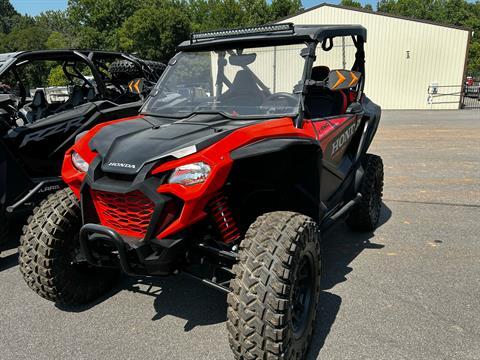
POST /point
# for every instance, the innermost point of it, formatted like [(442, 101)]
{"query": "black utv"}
[(49, 97)]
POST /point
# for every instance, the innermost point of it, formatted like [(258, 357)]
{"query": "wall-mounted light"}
[(408, 54)]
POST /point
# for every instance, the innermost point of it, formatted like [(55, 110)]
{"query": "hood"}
[(126, 147)]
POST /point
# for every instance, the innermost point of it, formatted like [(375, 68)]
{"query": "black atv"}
[(49, 97), (230, 174)]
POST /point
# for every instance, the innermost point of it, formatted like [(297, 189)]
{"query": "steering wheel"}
[(292, 100)]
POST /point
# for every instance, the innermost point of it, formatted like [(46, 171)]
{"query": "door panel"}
[(334, 135)]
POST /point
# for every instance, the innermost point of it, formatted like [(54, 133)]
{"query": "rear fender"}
[(370, 122), (372, 116)]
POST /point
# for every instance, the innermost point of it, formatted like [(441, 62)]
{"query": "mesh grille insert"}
[(128, 214)]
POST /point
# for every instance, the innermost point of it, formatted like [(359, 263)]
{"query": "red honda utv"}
[(246, 150)]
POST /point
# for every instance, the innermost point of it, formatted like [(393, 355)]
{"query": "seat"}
[(243, 92), (321, 102), (37, 109), (77, 97), (91, 94)]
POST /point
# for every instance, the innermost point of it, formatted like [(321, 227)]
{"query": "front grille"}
[(128, 214)]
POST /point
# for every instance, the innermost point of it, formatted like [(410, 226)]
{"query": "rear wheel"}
[(275, 291), (157, 67), (124, 71), (366, 214), (49, 254)]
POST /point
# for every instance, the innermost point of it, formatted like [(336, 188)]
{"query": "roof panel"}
[(299, 33)]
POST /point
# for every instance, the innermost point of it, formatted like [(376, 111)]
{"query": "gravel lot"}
[(411, 290)]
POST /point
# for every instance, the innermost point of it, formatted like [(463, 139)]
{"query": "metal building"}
[(405, 57)]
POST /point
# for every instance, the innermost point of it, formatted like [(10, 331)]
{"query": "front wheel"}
[(274, 298), (49, 254)]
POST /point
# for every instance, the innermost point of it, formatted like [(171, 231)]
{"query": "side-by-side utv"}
[(246, 150), (47, 98)]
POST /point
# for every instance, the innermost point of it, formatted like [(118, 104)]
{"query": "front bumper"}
[(152, 257)]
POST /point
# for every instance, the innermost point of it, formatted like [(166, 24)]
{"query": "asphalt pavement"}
[(410, 290)]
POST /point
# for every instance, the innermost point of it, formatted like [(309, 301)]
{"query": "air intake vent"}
[(128, 214)]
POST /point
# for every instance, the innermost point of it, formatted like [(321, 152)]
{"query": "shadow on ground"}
[(184, 298), (175, 295), (10, 260), (340, 246)]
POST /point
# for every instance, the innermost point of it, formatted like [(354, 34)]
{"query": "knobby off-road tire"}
[(48, 251), (123, 70), (365, 215), (157, 67), (279, 263)]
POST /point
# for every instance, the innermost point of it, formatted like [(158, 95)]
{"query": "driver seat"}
[(321, 102), (244, 91), (77, 97), (37, 109)]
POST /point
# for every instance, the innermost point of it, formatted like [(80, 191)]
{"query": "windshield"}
[(240, 83)]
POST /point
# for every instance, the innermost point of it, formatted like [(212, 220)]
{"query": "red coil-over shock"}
[(223, 217)]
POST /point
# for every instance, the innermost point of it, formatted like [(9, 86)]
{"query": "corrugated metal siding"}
[(437, 55)]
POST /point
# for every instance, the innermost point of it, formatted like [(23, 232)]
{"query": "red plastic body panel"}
[(217, 156), (328, 129), (128, 214)]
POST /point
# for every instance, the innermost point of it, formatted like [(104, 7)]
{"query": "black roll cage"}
[(89, 57), (275, 35), (308, 53)]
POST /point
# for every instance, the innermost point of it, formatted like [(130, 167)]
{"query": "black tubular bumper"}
[(151, 257), (108, 235)]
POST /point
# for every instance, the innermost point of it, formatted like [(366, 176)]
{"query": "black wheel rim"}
[(302, 298)]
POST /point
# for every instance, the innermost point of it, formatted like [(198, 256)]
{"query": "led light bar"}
[(288, 27)]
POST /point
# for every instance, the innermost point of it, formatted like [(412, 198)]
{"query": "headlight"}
[(190, 174), (79, 162)]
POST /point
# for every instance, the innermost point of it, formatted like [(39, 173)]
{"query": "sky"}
[(35, 7)]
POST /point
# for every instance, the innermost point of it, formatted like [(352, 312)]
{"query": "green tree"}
[(27, 38), (215, 14), (351, 3), (55, 21), (96, 22), (255, 12), (283, 8), (223, 14), (7, 12), (56, 40), (57, 77), (153, 39)]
